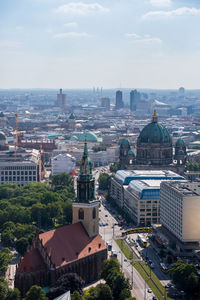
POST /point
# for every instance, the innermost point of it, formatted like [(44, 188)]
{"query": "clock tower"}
[(85, 207)]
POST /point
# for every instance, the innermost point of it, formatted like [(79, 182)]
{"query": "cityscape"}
[(99, 150)]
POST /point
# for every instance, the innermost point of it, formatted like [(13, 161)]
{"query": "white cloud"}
[(72, 35), (182, 11), (71, 25), (146, 39), (161, 3), (80, 8), (9, 44)]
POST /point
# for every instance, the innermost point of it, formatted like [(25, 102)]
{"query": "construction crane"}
[(16, 132)]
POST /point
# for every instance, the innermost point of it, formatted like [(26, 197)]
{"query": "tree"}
[(120, 283), (7, 238), (185, 276), (62, 180), (114, 167), (21, 245), (13, 294), (36, 293), (124, 294), (104, 181), (67, 282), (109, 266), (77, 296), (5, 258), (3, 288), (104, 292)]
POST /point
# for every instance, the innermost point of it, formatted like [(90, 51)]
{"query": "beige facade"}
[(141, 201), (117, 192), (180, 210), (88, 215)]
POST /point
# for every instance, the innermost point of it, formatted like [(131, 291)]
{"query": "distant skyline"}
[(111, 44)]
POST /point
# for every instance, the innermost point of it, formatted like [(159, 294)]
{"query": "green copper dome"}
[(89, 137), (124, 142), (130, 152), (154, 133), (180, 143)]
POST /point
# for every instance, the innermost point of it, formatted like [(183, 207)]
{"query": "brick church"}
[(76, 248)]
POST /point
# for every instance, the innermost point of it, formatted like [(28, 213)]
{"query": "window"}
[(94, 213), (81, 214)]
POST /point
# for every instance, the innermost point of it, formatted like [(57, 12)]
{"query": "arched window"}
[(81, 214), (94, 213)]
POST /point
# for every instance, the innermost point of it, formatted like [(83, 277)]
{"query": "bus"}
[(143, 241), (164, 268)]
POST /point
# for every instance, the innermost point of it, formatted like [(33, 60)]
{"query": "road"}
[(10, 273), (108, 232)]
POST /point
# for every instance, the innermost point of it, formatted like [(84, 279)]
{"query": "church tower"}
[(85, 207)]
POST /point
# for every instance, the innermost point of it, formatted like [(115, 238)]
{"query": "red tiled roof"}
[(69, 243), (32, 261)]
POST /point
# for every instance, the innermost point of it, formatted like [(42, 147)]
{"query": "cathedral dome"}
[(154, 133), (154, 144), (124, 142), (130, 152), (180, 143)]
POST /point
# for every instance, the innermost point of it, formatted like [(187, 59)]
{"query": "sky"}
[(100, 43)]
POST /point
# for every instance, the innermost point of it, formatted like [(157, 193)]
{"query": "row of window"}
[(19, 168), (18, 178), (18, 172)]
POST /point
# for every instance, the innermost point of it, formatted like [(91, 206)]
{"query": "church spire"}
[(155, 117), (85, 182)]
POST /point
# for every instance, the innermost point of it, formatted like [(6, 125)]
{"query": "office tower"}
[(134, 99), (179, 215), (119, 102), (105, 102), (61, 99)]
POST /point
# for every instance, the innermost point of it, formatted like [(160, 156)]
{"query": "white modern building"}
[(179, 214), (21, 167), (63, 163), (137, 192), (142, 201)]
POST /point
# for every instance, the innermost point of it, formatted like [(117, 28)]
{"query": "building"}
[(63, 163), (20, 167), (72, 121), (137, 192), (142, 201), (61, 99), (134, 99), (119, 100), (126, 156), (179, 216), (105, 102), (154, 150), (76, 248), (154, 144)]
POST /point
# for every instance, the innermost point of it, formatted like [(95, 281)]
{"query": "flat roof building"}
[(137, 192), (20, 168), (179, 214)]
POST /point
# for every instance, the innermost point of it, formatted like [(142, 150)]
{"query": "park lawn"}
[(144, 270)]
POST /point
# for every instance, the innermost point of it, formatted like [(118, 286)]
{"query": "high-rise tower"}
[(119, 102), (61, 99), (134, 99), (85, 207)]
